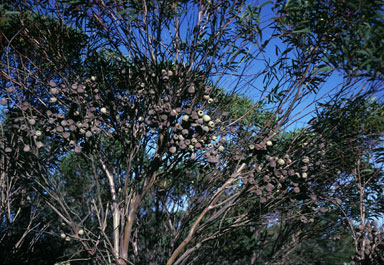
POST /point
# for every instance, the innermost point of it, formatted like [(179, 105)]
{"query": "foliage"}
[(123, 128), (344, 35)]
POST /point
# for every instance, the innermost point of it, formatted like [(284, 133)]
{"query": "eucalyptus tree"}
[(354, 128), (25, 220), (342, 35), (126, 136)]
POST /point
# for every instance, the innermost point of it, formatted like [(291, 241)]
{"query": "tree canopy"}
[(129, 135)]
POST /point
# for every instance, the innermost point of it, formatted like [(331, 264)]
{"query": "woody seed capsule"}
[(206, 118)]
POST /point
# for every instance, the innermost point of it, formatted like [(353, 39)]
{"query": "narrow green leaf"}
[(10, 13), (323, 68), (125, 11), (305, 30), (367, 171)]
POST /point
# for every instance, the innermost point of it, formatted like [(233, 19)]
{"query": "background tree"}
[(342, 35)]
